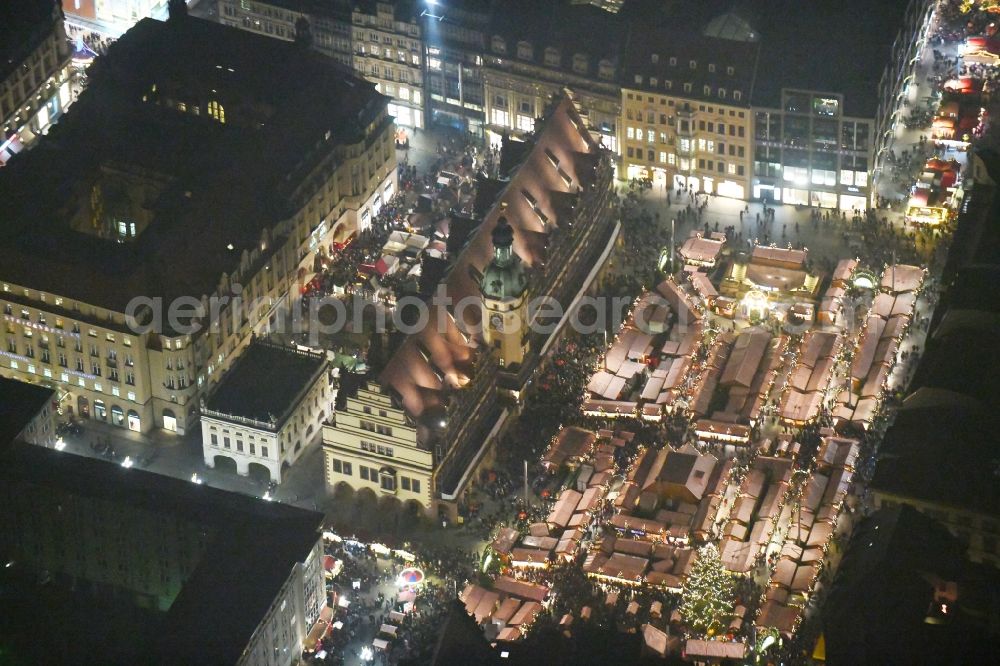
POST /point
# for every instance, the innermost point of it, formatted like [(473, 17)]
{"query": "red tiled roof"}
[(413, 376)]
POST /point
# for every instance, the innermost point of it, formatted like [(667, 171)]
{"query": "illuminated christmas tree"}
[(707, 598)]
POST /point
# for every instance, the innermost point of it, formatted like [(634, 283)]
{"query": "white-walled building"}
[(267, 409), (373, 444)]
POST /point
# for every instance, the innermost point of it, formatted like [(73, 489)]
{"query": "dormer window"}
[(524, 51), (673, 62), (580, 63), (499, 45), (638, 78), (653, 81), (606, 70), (668, 84), (737, 95), (722, 93), (655, 58), (711, 68), (707, 91), (730, 71), (552, 58), (693, 64)]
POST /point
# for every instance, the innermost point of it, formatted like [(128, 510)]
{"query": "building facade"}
[(808, 153), (328, 23), (111, 18), (36, 79), (389, 52), (280, 637), (454, 41), (686, 119), (894, 86), (554, 193), (70, 318), (373, 444), (381, 41), (268, 409), (535, 51)]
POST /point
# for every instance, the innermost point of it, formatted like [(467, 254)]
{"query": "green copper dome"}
[(505, 277)]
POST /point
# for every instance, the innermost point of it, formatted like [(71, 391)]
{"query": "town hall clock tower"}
[(504, 288)]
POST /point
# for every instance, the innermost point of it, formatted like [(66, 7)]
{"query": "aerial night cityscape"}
[(487, 332)]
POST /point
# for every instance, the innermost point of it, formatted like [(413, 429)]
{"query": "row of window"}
[(64, 377), (43, 323), (688, 87), (227, 444), (692, 64), (386, 480), (371, 426), (372, 447), (605, 68), (685, 106), (685, 163)]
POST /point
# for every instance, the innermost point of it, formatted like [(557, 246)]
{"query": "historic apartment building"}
[(267, 410), (535, 50), (120, 209), (686, 118), (437, 413), (327, 24), (380, 41), (372, 444), (388, 51), (35, 72)]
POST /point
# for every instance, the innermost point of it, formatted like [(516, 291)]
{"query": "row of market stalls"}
[(937, 193), (669, 500), (960, 119), (731, 391), (754, 513), (589, 459), (805, 394), (813, 512), (644, 369), (507, 610), (877, 345)]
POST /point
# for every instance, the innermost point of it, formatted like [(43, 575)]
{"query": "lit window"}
[(216, 111)]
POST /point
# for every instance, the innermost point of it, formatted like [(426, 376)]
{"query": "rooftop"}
[(438, 359), (20, 402), (896, 562), (664, 58), (200, 194), (251, 549), (943, 454), (837, 47), (265, 381), (560, 24)]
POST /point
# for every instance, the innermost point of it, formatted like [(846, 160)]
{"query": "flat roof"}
[(209, 189), (264, 382), (20, 402), (252, 548)]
